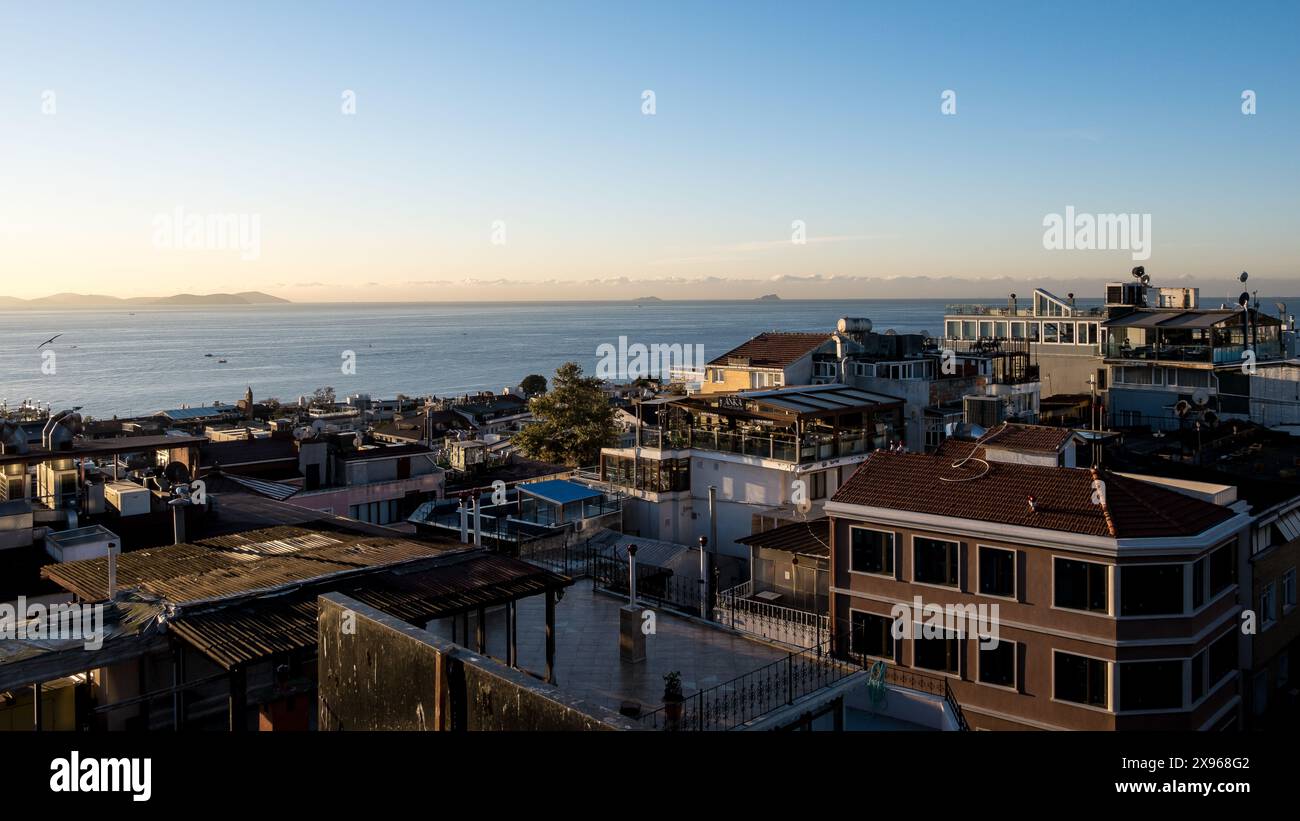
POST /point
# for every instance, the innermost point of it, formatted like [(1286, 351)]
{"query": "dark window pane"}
[(998, 664), (1198, 583), (1223, 657), (1151, 685), (1198, 676), (872, 635), (935, 562), (1080, 585), (1080, 679), (1151, 590), (871, 551), (997, 572), (1223, 568), (937, 654)]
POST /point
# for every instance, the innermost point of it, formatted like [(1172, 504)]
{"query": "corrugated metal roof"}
[(237, 635), (273, 490), (237, 564), (818, 398)]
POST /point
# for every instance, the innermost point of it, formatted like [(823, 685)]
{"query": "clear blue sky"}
[(530, 113)]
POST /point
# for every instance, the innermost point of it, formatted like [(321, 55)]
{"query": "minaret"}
[(248, 402)]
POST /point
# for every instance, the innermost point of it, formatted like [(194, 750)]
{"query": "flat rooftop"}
[(587, 663)]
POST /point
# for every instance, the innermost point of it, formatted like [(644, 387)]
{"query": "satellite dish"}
[(1182, 408), (1244, 300), (1210, 417), (1244, 276), (177, 473), (1139, 272), (1200, 397), (1146, 280)]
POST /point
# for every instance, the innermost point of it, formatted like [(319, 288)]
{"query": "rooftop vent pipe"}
[(60, 429), (13, 439)]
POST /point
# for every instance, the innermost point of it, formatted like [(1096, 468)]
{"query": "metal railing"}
[(781, 683), (787, 625), (1188, 352), (754, 694), (910, 678), (777, 446), (1004, 310), (655, 586), (558, 555)]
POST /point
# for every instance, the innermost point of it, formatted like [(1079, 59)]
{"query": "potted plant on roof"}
[(673, 697)]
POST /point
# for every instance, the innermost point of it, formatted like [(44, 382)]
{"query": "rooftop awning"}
[(1289, 524), (802, 538), (1140, 319)]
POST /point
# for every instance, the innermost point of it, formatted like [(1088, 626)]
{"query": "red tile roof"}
[(1027, 438), (773, 349), (999, 492)]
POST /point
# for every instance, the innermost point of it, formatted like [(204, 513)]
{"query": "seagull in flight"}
[(48, 341)]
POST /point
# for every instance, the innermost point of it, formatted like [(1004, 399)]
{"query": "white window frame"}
[(894, 643), (1267, 603), (949, 635), (894, 559), (1189, 580), (1015, 573), (1111, 606), (1110, 683), (1015, 667), (960, 563), (1184, 693)]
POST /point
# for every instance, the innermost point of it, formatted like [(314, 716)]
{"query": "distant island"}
[(68, 300), (647, 299), (768, 298)]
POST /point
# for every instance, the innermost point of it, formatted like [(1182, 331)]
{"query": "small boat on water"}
[(221, 361), (207, 354)]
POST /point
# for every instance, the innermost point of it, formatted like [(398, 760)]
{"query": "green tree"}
[(574, 420), (533, 385)]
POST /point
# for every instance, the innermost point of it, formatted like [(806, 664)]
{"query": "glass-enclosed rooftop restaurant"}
[(796, 425), (1208, 337), (1046, 320)]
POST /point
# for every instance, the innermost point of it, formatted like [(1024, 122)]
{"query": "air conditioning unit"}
[(985, 411)]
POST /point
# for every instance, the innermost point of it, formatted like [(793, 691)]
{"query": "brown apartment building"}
[(1117, 598)]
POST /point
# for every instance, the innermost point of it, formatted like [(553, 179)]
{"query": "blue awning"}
[(560, 491)]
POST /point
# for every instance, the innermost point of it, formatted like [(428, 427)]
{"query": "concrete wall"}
[(379, 673), (1066, 368)]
